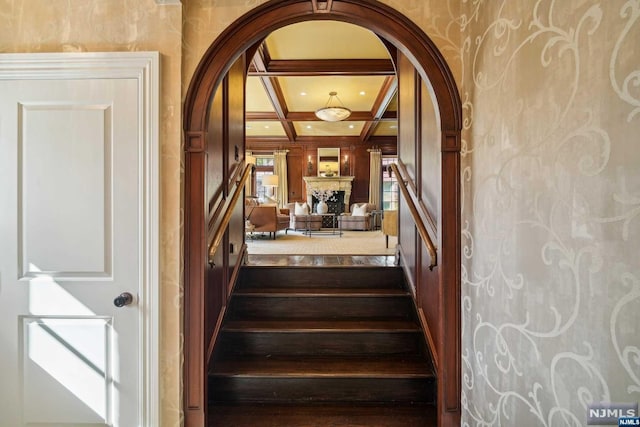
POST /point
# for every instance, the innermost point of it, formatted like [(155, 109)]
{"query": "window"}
[(389, 185), (264, 166)]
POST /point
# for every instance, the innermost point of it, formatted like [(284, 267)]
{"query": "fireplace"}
[(339, 184), (335, 205)]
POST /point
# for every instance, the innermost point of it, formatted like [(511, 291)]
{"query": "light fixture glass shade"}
[(333, 113)]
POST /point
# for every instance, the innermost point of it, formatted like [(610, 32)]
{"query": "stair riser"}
[(335, 307), (321, 390), (338, 415), (305, 277), (319, 343)]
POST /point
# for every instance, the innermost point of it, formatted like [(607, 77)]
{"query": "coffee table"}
[(332, 231)]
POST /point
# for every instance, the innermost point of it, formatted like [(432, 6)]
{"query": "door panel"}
[(65, 169), (69, 358), (73, 225)]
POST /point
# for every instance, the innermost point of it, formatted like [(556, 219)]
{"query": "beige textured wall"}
[(125, 25), (204, 20), (438, 19), (551, 216)]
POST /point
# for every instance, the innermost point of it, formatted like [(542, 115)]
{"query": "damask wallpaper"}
[(551, 217), (551, 183)]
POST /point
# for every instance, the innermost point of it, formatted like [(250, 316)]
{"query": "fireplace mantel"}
[(336, 183)]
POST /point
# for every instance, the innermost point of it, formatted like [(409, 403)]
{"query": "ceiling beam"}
[(261, 116), (389, 115), (380, 105), (261, 142), (307, 116), (325, 67), (310, 116), (274, 91)]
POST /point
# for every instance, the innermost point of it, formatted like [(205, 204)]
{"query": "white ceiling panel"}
[(257, 99), (328, 128), (386, 128), (264, 128), (325, 40), (349, 89)]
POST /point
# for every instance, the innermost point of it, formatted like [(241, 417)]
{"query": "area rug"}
[(350, 243)]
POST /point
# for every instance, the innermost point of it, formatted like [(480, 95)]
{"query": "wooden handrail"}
[(417, 218), (219, 233)]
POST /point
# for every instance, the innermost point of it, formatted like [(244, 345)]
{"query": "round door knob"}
[(123, 299)]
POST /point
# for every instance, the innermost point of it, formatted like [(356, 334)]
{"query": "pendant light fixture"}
[(333, 112)]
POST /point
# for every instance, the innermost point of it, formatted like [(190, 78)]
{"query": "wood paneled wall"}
[(423, 149), (300, 153), (226, 123)]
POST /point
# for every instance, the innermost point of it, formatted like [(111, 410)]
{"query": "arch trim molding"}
[(233, 42)]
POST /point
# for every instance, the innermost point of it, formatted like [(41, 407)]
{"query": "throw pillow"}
[(301, 209), (359, 210)]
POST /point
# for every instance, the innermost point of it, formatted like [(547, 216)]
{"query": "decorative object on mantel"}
[(333, 113), (309, 165), (322, 207), (323, 196)]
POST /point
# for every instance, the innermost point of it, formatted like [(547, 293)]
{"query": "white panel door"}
[(77, 186)]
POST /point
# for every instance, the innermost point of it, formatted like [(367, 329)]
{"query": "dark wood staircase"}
[(321, 346)]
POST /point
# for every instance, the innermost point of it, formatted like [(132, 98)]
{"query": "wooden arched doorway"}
[(434, 72)]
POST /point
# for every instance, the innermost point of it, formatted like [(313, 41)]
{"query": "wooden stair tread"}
[(267, 291), (315, 366), (321, 326), (251, 415)]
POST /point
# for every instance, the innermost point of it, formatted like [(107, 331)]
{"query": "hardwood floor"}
[(321, 345), (321, 260)]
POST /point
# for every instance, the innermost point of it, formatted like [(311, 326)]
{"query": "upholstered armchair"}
[(389, 225), (298, 219), (358, 218), (266, 219)]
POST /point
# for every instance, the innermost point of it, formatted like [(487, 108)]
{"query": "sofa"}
[(266, 218), (362, 220), (302, 221)]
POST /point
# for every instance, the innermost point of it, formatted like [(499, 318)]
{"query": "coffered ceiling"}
[(296, 67)]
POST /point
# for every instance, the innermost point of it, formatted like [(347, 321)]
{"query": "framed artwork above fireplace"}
[(328, 162)]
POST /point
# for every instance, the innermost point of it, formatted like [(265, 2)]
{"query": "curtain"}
[(375, 177), (280, 169)]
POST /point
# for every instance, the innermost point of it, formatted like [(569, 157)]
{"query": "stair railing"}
[(224, 222), (417, 216)]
